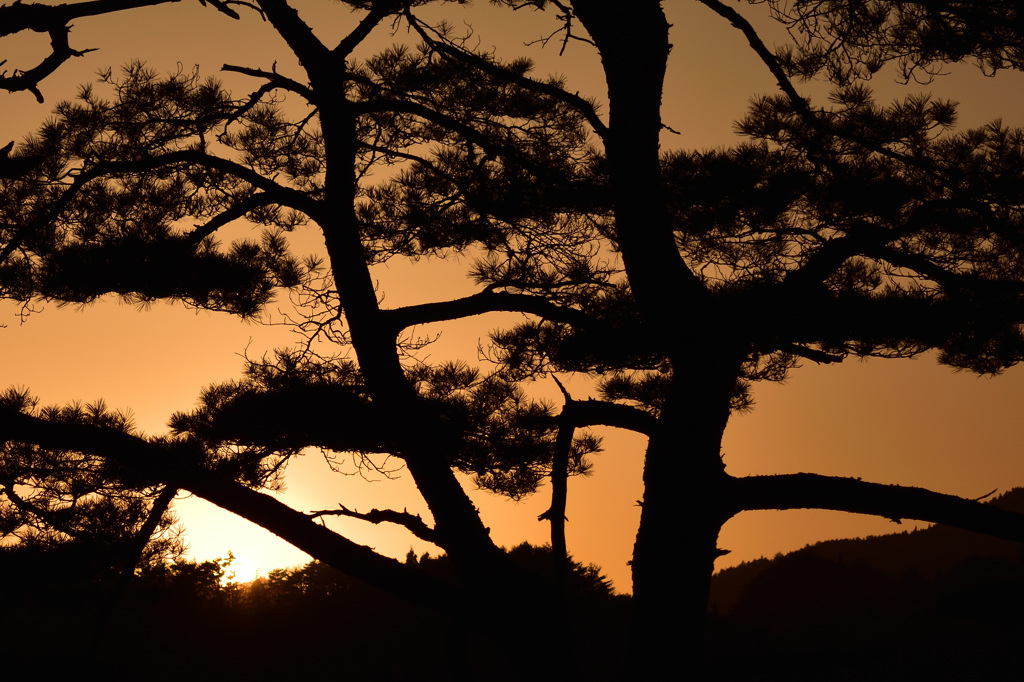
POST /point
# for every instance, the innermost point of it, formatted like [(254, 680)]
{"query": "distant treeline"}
[(184, 619), (937, 603)]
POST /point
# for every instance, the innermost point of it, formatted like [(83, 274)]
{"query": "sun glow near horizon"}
[(240, 571)]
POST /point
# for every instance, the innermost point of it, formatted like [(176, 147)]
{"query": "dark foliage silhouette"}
[(293, 622), (672, 280)]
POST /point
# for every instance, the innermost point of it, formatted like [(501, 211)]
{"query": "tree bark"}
[(422, 444), (685, 504), (632, 39), (684, 479)]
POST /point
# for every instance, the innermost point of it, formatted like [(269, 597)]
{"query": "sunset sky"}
[(910, 422)]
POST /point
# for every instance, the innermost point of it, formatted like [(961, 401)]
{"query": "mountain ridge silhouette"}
[(931, 603)]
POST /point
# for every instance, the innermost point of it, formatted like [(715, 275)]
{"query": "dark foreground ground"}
[(935, 604)]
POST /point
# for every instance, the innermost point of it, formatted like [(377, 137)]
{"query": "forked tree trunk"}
[(684, 480)]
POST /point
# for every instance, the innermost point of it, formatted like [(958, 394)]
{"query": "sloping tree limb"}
[(477, 304), (812, 354), (449, 123), (813, 491), (825, 260), (29, 80), (873, 240), (55, 20), (800, 104), (138, 544), (285, 196), (48, 516), (42, 18), (602, 413), (925, 320), (377, 13), (312, 53), (846, 41), (271, 193), (581, 105), (176, 463), (950, 280), (740, 22), (236, 211), (274, 81), (411, 522), (160, 506)]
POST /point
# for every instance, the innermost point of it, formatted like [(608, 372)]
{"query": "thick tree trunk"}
[(684, 479), (632, 39), (685, 504)]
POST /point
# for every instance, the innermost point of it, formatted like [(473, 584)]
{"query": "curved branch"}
[(926, 321), (55, 21), (412, 522), (602, 413), (272, 193), (285, 196), (138, 544), (29, 80), (234, 212), (323, 544), (47, 516), (299, 36), (812, 491), (350, 42), (800, 104), (274, 80), (584, 107), (951, 281), (822, 263), (41, 18), (754, 40), (449, 123), (814, 355), (870, 239), (480, 303)]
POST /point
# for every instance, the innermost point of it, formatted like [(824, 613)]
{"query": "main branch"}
[(55, 20), (813, 491), (479, 304)]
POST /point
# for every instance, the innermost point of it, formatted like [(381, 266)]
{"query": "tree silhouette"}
[(673, 280), (58, 498)]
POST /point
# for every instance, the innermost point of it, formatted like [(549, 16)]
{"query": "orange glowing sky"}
[(908, 422)]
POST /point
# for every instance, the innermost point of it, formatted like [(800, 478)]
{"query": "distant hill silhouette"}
[(935, 603)]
